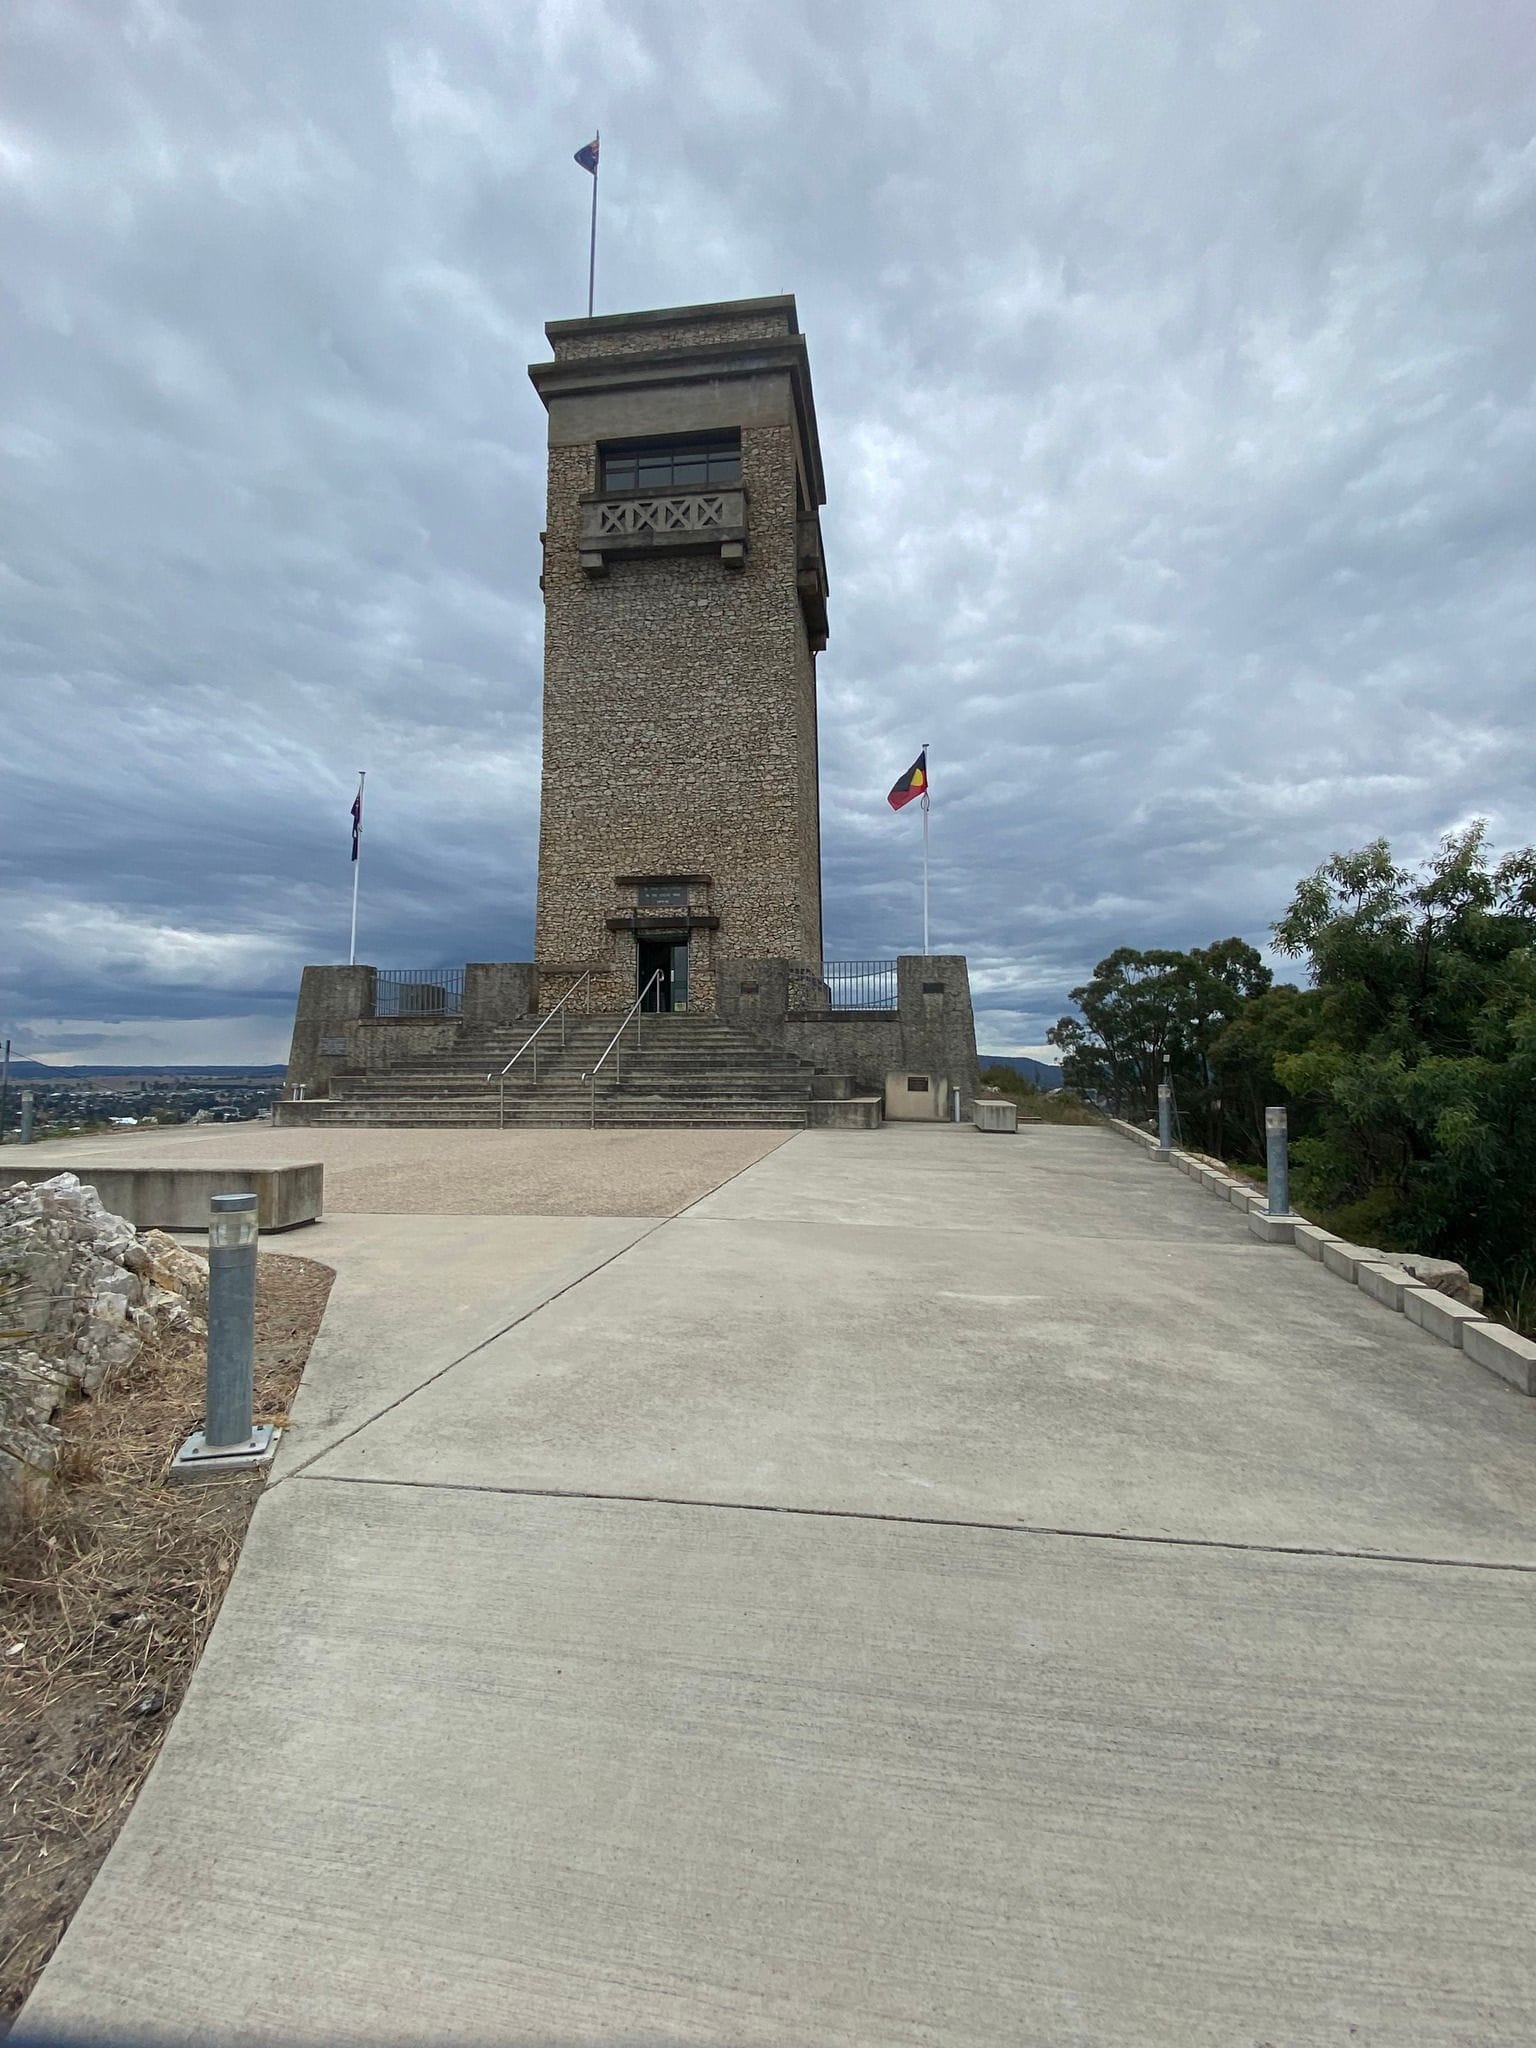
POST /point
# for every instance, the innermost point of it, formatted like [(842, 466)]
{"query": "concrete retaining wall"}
[(931, 1031), (177, 1197), (332, 1000), (500, 991)]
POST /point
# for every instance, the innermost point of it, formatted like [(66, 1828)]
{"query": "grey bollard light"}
[(26, 1116), (228, 1441), (1277, 1146), (1164, 1117)]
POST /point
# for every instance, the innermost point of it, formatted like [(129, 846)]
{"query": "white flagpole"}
[(927, 784), (357, 866), (592, 245)]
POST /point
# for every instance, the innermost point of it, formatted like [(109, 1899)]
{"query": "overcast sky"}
[(1174, 365)]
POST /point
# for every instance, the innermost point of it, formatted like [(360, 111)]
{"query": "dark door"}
[(666, 956), (665, 953)]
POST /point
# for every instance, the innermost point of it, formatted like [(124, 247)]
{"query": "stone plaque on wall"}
[(332, 1048)]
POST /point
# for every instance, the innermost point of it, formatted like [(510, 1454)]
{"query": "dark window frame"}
[(682, 462)]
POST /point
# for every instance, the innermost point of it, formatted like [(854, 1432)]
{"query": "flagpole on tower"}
[(357, 859), (927, 783), (592, 248)]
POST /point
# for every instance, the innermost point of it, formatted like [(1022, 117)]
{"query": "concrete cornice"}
[(675, 316)]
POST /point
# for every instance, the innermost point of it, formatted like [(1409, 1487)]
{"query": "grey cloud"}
[(1173, 370)]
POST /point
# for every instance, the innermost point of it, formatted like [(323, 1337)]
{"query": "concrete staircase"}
[(688, 1070)]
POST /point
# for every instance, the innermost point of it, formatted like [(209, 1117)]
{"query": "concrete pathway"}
[(935, 1590)]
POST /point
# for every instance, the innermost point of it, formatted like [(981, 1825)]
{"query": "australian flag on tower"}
[(357, 821), (586, 156)]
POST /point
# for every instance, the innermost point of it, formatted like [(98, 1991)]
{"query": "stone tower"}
[(684, 606)]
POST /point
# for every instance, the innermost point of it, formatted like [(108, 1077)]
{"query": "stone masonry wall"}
[(644, 341), (679, 732)]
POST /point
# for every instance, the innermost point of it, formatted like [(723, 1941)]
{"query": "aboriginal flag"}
[(913, 783)]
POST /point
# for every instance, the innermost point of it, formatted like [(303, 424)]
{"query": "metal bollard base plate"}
[(197, 1460)]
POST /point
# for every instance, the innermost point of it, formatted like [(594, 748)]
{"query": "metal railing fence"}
[(418, 992), (844, 985)]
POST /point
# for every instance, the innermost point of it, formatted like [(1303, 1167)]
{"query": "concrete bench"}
[(995, 1116), (176, 1197)]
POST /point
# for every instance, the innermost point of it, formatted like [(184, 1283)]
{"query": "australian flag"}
[(586, 156), (357, 822)]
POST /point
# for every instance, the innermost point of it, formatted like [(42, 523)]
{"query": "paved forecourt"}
[(449, 1172), (936, 1589)]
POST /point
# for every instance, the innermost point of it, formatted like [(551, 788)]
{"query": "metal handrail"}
[(532, 1039), (634, 1011)]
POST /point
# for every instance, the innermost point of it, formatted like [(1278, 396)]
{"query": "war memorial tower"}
[(685, 602)]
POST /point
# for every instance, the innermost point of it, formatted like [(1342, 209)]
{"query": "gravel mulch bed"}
[(105, 1603)]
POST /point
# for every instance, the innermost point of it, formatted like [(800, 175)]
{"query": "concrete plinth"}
[(995, 1116), (1272, 1229), (177, 1197)]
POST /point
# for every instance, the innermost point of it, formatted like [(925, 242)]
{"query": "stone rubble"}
[(1444, 1275), (81, 1292)]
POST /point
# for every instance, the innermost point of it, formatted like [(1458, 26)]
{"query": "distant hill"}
[(39, 1070), (1045, 1078)]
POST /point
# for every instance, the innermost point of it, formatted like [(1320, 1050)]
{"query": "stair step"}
[(687, 1069)]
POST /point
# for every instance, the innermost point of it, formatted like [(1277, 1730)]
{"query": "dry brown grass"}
[(107, 1600)]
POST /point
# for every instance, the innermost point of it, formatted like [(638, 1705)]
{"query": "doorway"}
[(666, 953)]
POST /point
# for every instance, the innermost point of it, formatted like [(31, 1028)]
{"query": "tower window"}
[(671, 465)]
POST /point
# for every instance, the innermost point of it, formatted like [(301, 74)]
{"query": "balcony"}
[(630, 525)]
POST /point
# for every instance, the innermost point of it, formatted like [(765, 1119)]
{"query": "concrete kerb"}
[(1500, 1351), (1138, 1136), (1439, 1314), (1386, 1284), (1344, 1258), (1512, 1357), (1311, 1237)]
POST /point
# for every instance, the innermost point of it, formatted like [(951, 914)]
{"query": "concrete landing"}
[(415, 1294), (1006, 1664)]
